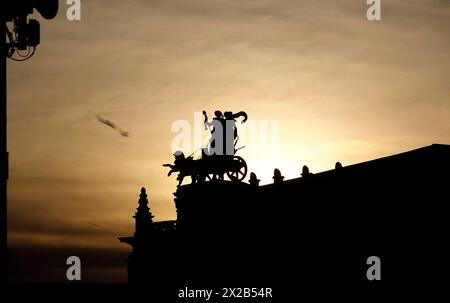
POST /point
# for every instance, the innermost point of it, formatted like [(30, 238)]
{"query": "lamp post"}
[(23, 35), (4, 153)]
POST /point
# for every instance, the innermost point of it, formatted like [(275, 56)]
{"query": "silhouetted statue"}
[(182, 165), (217, 128), (277, 177), (254, 181), (240, 114), (212, 168), (305, 172), (224, 142), (338, 166), (218, 115), (217, 157), (230, 124), (230, 120)]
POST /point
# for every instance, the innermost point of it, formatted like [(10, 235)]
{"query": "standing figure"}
[(216, 127)]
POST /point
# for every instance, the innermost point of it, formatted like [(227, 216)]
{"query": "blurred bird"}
[(113, 126), (93, 224)]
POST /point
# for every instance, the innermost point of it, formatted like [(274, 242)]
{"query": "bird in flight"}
[(113, 126), (93, 224)]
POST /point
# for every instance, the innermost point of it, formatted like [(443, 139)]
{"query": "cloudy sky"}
[(341, 88)]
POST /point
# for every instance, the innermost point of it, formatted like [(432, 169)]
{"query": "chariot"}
[(211, 166)]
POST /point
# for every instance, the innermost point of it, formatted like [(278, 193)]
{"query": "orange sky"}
[(342, 88)]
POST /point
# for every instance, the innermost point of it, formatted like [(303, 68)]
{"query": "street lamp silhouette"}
[(25, 34)]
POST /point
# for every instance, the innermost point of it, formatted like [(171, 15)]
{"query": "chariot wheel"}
[(239, 171)]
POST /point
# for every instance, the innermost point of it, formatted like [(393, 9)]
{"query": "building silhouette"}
[(309, 227)]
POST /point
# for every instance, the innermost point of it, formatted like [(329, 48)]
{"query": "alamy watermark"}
[(73, 12), (374, 10), (374, 271), (225, 135), (73, 273)]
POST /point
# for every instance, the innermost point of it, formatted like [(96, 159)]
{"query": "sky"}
[(340, 88)]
